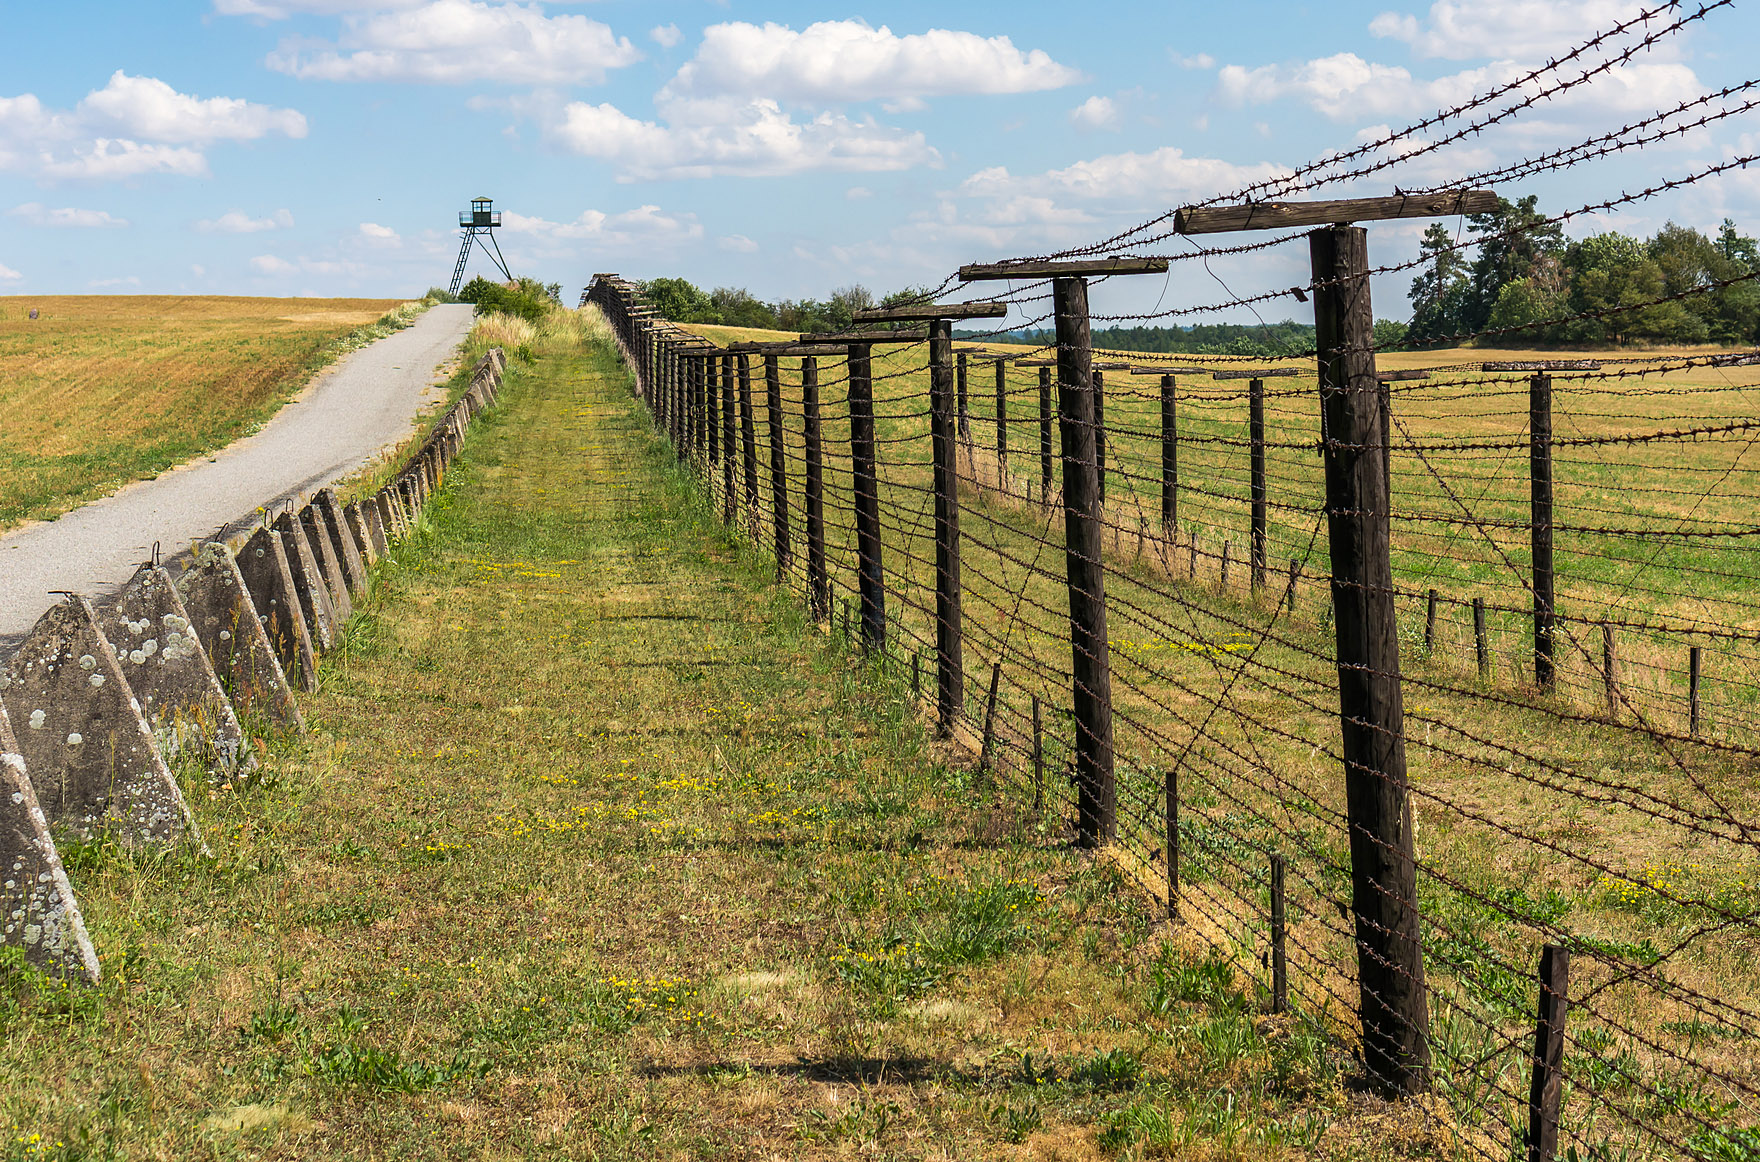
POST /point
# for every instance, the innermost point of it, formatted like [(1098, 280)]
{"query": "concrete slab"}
[(354, 516), (87, 749), (323, 545), (38, 912), (267, 569), (238, 646), (309, 583), (162, 656), (373, 517), (348, 554)]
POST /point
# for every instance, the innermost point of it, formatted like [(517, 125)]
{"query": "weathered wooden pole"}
[(1279, 964), (1540, 492), (1609, 672), (965, 416), (1481, 642), (949, 636), (778, 467), (1390, 960), (748, 433), (1546, 1087), (1170, 792), (1099, 437), (1045, 436), (1002, 421), (1694, 658), (1430, 623), (818, 578), (1169, 457), (705, 374), (870, 576), (1256, 438), (729, 503)]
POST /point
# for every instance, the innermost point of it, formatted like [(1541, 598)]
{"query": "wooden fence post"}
[(1256, 437), (950, 698), (965, 417), (778, 467), (1429, 623), (705, 375), (1045, 436), (985, 755), (1693, 662), (729, 503), (1170, 791), (1390, 960), (870, 576), (1038, 757), (1609, 674), (1099, 437), (1096, 792), (748, 432), (818, 579), (1481, 643), (1540, 493), (1169, 458), (1002, 423), (1547, 1084)]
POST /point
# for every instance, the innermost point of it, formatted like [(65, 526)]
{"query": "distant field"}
[(101, 390)]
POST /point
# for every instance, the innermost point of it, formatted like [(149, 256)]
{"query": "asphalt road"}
[(355, 410)]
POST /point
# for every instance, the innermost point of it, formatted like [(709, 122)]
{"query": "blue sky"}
[(292, 147)]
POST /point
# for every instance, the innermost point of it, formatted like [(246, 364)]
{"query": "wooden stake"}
[(1045, 436), (1002, 421), (1256, 438), (1429, 623), (1693, 659), (985, 748), (1279, 969), (1169, 458), (778, 468), (1609, 672), (1481, 645), (1038, 758), (818, 577), (1170, 789), (748, 442), (729, 503), (944, 436), (870, 575), (1540, 493), (1100, 436), (1547, 1085)]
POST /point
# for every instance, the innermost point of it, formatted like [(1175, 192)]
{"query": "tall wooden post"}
[(729, 505), (699, 409), (1256, 438), (1096, 792), (870, 577), (1390, 958), (1540, 493), (1002, 419), (818, 579), (1099, 436), (778, 466), (1045, 435), (965, 414), (705, 374), (748, 435), (944, 419), (1169, 457)]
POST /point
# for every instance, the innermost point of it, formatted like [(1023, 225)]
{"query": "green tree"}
[(1515, 238), (1439, 293), (738, 308), (680, 300), (1612, 272)]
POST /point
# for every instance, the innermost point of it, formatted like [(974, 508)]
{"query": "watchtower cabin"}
[(478, 224)]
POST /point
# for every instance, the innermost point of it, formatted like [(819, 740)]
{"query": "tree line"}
[(1542, 289), (684, 302)]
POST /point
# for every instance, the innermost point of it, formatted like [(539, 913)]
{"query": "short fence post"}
[(748, 432), (870, 578), (1256, 438), (1225, 550), (1038, 757), (818, 578), (1169, 458), (1096, 791), (1295, 574), (778, 467), (701, 409), (1045, 435), (965, 417), (1547, 1086), (1540, 493), (1429, 622), (949, 647), (704, 370), (916, 675), (1384, 893), (1170, 791), (1100, 437), (985, 748), (1693, 659), (1002, 424), (729, 503), (1609, 674), (1481, 645), (1279, 966)]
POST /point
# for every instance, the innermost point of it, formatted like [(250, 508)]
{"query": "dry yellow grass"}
[(104, 389)]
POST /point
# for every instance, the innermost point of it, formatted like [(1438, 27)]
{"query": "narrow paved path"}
[(358, 408)]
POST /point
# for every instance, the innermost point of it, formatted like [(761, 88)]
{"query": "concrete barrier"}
[(168, 670), (308, 582), (323, 546), (355, 516), (38, 913), (278, 599), (226, 620), (373, 516), (89, 753), (348, 554)]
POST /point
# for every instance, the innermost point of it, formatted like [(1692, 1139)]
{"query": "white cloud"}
[(1524, 30), (847, 60), (858, 193), (271, 265), (282, 9), (738, 244), (643, 226), (453, 41), (105, 283), (1202, 60), (37, 214), (1095, 113), (132, 127), (7, 274), (238, 222), (666, 35), (753, 138), (147, 109), (377, 235)]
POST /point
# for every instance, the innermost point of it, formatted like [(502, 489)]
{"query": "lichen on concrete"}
[(224, 617), (38, 912)]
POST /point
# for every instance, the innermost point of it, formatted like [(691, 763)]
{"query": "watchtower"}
[(478, 224)]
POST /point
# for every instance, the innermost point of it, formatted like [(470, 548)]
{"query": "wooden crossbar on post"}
[(1279, 215)]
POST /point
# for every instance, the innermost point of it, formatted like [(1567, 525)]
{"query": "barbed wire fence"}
[(1166, 599)]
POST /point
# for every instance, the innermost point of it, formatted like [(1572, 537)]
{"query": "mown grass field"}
[(1533, 817), (102, 390), (599, 850)]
